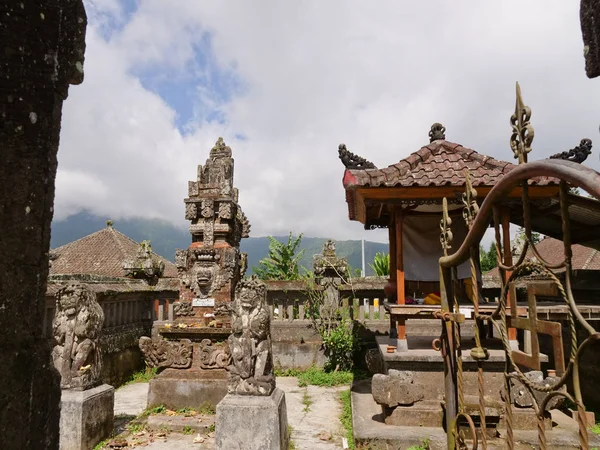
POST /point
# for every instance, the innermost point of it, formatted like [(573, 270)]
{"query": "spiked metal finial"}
[(522, 135), (437, 132), (446, 231), (469, 199)]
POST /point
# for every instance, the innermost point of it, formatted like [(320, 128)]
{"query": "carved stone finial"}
[(145, 264), (328, 264), (352, 161), (251, 369), (437, 132), (76, 331), (109, 223), (578, 154)]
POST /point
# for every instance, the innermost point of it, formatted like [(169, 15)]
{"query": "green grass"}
[(143, 376), (595, 429), (211, 428), (206, 409), (292, 444), (346, 417), (135, 427), (306, 401), (318, 377), (423, 446), (156, 410), (188, 430), (101, 445)]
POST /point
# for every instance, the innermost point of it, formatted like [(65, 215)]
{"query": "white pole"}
[(363, 257)]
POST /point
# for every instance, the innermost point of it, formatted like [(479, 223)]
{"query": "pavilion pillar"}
[(508, 261), (400, 295), (391, 348)]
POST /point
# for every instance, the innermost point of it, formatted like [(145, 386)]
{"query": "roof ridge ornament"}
[(352, 161), (523, 133), (437, 132), (578, 154)]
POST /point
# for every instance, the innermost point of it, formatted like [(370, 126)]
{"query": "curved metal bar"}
[(575, 174)]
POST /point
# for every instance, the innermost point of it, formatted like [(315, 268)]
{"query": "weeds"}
[(187, 430), (423, 446), (595, 429), (136, 427), (143, 376), (155, 410), (207, 409), (211, 428), (306, 401), (318, 377), (346, 417), (291, 443), (103, 444)]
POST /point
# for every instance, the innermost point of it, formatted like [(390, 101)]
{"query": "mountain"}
[(166, 237)]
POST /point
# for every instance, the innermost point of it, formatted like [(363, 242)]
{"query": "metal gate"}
[(466, 428)]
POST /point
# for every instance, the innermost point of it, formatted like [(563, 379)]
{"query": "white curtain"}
[(422, 248)]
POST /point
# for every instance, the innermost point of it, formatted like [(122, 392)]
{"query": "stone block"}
[(86, 417), (521, 397), (187, 388), (424, 414), (252, 422), (398, 389)]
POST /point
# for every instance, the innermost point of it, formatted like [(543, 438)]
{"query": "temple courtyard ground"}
[(313, 417)]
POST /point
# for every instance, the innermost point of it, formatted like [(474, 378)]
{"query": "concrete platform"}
[(369, 429)]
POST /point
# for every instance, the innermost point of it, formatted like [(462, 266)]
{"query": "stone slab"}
[(187, 388), (199, 424), (251, 422), (370, 430), (86, 417)]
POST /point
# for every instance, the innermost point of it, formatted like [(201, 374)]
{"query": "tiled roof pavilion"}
[(434, 171), (102, 254)]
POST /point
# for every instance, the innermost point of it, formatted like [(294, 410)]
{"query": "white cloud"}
[(314, 74)]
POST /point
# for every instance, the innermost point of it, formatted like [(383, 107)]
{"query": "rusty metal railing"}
[(478, 218)]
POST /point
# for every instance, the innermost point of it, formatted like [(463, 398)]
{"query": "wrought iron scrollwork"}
[(446, 231), (523, 133)]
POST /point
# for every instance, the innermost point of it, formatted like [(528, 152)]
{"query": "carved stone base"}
[(252, 422), (86, 417), (187, 388)]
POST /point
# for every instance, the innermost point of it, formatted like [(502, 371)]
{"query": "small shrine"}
[(406, 198), (191, 345)]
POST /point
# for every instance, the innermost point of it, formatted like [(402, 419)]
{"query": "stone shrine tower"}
[(212, 265)]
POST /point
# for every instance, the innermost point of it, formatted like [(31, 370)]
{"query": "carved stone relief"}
[(162, 353), (251, 369), (76, 331)]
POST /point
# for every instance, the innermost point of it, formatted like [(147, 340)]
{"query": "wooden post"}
[(508, 261), (400, 296), (391, 348)]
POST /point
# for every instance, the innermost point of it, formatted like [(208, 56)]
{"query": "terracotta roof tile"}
[(438, 164), (100, 253)]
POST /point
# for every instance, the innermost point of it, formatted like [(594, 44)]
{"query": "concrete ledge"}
[(86, 417), (187, 388), (252, 422), (199, 423), (367, 420)]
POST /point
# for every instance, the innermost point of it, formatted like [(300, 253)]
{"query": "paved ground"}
[(313, 413), (131, 399)]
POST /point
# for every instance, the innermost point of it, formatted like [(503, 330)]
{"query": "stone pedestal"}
[(252, 422), (189, 388), (86, 417)]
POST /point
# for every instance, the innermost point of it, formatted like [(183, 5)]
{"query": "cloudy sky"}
[(285, 82)]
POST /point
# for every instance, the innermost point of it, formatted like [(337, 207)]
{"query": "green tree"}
[(488, 260), (381, 264), (282, 261)]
